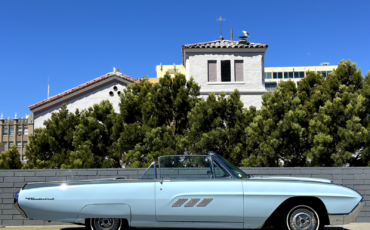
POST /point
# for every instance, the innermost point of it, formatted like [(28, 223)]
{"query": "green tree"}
[(50, 147), (92, 139), (217, 124), (276, 133), (323, 122), (151, 112), (10, 159)]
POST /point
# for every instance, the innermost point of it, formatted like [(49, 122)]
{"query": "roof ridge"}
[(81, 86)]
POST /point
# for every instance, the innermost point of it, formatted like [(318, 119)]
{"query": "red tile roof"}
[(225, 44), (219, 44), (82, 86)]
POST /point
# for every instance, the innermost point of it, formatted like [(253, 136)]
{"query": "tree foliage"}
[(155, 119), (10, 159), (325, 121)]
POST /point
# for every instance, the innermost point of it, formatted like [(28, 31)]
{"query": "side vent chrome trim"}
[(205, 202), (179, 202), (192, 202)]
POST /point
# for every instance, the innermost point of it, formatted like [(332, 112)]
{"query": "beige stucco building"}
[(273, 75), (16, 132)]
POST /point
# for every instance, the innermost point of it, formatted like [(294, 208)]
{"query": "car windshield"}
[(239, 173)]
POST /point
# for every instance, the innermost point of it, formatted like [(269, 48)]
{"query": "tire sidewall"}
[(285, 221), (90, 226)]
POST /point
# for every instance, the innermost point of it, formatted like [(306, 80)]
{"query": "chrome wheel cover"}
[(303, 219), (106, 223)]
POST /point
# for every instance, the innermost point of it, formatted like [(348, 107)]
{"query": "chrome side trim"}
[(204, 202), (192, 202), (341, 219), (16, 205), (179, 202)]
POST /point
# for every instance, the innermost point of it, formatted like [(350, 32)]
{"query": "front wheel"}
[(302, 217), (103, 224)]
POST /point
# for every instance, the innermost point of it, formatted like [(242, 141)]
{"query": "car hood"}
[(305, 179)]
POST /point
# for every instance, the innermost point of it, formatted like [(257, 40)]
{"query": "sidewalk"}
[(353, 226)]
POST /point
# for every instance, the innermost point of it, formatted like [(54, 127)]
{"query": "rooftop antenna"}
[(2, 116), (48, 87), (16, 117), (221, 19)]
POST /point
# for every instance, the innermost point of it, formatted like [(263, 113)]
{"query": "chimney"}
[(232, 35)]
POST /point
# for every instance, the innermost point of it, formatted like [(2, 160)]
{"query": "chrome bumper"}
[(347, 218), (16, 205)]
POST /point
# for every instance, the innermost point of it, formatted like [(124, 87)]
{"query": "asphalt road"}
[(353, 226)]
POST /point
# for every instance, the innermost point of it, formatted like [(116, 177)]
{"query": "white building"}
[(107, 87), (223, 66)]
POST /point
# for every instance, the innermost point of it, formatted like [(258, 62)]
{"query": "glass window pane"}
[(11, 131), (290, 74), (19, 144), (190, 167), (219, 171), (24, 144), (239, 173), (225, 71), (5, 131), (280, 75), (5, 145), (10, 144), (268, 75), (25, 131), (296, 74), (149, 174), (301, 74), (285, 74), (275, 75), (24, 158), (270, 87), (19, 129)]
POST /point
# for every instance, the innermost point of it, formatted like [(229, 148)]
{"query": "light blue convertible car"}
[(192, 191)]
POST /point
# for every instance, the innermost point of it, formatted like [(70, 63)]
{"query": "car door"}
[(206, 200)]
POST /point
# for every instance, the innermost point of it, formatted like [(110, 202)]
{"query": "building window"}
[(324, 73), (11, 129), (5, 145), (225, 71), (268, 75), (239, 75), (5, 131), (212, 71), (19, 130), (19, 144), (25, 131), (24, 144), (298, 74), (24, 158), (278, 75), (270, 87), (10, 144), (288, 74)]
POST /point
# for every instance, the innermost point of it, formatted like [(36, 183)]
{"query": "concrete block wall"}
[(13, 180)]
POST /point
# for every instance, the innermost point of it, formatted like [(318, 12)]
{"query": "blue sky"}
[(72, 42)]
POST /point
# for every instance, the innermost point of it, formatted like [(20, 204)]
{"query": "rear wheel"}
[(103, 224), (301, 217)]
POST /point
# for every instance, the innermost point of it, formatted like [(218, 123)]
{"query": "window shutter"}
[(239, 76), (212, 71)]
